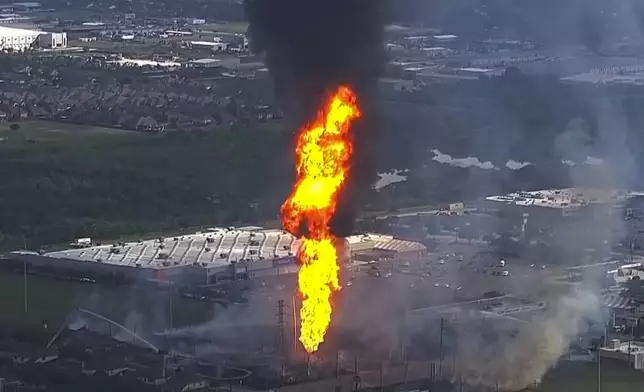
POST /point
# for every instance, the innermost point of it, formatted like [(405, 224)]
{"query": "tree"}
[(14, 127)]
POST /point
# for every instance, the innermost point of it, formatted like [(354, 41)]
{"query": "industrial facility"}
[(213, 256), (537, 210), (15, 39), (564, 202)]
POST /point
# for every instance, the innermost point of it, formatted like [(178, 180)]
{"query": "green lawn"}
[(51, 130), (582, 377), (128, 48), (52, 300), (231, 27), (64, 181)]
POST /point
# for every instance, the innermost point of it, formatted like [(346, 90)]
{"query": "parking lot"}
[(455, 272)]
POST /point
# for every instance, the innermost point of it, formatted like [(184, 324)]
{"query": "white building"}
[(205, 63), (477, 72), (445, 37), (52, 40), (17, 39), (436, 51), (630, 352), (26, 6), (213, 45)]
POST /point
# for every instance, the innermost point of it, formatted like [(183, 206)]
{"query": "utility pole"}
[(599, 359), (433, 375), (406, 370), (281, 340), (440, 360), (599, 369), (629, 344), (403, 335), (171, 309), (455, 333), (24, 278), (454, 363), (163, 370), (294, 316), (356, 377)]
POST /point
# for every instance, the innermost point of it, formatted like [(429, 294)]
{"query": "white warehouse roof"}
[(216, 247), (14, 32), (445, 36), (205, 61)]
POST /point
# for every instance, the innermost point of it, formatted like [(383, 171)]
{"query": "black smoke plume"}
[(313, 46)]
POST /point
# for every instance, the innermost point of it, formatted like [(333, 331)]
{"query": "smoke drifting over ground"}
[(514, 362), (312, 47)]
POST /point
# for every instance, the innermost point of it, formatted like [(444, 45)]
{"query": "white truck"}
[(81, 243)]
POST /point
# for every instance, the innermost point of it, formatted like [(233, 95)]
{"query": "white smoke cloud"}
[(516, 165), (568, 162), (539, 345), (462, 162), (389, 178), (592, 161)]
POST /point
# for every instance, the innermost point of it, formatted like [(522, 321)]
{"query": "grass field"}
[(582, 377), (52, 130), (64, 181), (52, 300), (232, 27)]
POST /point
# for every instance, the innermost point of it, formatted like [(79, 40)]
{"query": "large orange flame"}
[(323, 152)]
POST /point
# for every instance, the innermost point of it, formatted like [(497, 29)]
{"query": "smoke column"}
[(312, 47)]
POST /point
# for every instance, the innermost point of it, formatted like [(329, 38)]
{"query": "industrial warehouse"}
[(18, 40), (210, 257)]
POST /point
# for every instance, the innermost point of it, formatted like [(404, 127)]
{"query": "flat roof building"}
[(16, 39), (630, 352), (208, 257), (205, 63), (213, 45), (13, 39), (52, 40), (445, 37), (566, 200)]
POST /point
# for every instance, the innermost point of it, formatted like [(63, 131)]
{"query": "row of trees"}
[(102, 185)]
